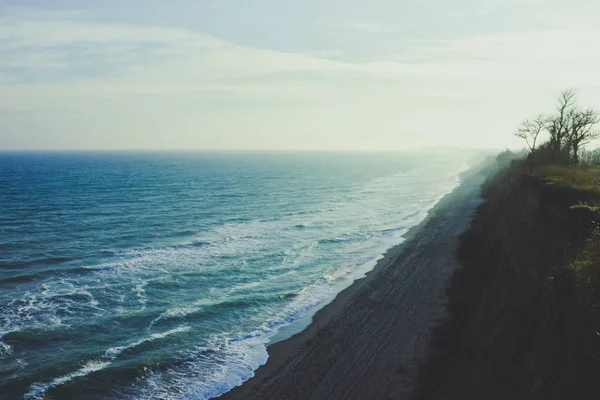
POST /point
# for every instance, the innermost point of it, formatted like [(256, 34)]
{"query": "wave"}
[(216, 369), (334, 240), (229, 266), (5, 349), (390, 231), (227, 360), (187, 232), (21, 278), (103, 362), (37, 389)]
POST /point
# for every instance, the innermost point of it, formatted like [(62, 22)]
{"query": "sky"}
[(288, 74)]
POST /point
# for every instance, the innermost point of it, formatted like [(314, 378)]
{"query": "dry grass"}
[(576, 177)]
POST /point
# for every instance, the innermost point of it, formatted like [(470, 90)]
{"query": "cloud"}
[(29, 13), (566, 46), (94, 84), (50, 32), (370, 27), (82, 48), (49, 47)]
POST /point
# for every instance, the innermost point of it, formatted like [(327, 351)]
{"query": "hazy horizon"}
[(259, 75), (252, 150)]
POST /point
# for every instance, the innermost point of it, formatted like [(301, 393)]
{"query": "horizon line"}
[(148, 150)]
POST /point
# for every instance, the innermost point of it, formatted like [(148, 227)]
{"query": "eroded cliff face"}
[(520, 326)]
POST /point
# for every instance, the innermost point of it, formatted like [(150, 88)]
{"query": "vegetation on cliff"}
[(525, 307), (569, 128)]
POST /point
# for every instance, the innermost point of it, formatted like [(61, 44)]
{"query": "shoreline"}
[(295, 365)]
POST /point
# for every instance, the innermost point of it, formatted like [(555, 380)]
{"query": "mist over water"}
[(163, 276)]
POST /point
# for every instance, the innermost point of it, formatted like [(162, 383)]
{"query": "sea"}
[(165, 275)]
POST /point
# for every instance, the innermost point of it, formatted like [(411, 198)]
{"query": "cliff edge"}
[(524, 308)]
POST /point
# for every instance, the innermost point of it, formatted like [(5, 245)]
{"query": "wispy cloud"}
[(370, 27), (544, 47), (69, 78)]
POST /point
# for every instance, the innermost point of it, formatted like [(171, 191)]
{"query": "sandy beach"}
[(370, 341)]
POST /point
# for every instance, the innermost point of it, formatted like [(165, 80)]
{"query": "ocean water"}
[(164, 276)]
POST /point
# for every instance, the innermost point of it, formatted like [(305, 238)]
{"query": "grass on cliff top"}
[(586, 264), (586, 178)]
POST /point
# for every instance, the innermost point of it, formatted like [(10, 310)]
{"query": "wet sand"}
[(370, 341)]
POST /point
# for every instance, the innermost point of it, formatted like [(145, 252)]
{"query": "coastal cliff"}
[(524, 320)]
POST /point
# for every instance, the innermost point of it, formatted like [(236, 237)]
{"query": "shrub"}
[(548, 154)]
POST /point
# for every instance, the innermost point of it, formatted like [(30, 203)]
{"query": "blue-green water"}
[(163, 276)]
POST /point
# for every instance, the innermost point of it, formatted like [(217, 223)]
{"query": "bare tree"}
[(591, 157), (558, 124), (531, 129), (580, 128), (570, 128)]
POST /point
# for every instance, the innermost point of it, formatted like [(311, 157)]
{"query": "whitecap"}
[(37, 389)]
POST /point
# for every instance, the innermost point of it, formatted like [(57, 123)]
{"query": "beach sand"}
[(370, 341)]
